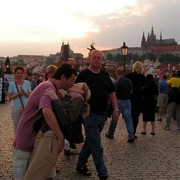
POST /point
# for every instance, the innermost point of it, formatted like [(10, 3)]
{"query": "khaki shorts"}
[(44, 157), (162, 100)]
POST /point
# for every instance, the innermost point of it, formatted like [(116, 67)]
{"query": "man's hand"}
[(51, 93), (60, 144), (52, 122), (21, 92), (75, 95), (115, 116)]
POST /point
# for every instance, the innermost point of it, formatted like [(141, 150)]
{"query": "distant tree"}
[(109, 57), (118, 57), (131, 56), (152, 56), (169, 58), (142, 57), (135, 57)]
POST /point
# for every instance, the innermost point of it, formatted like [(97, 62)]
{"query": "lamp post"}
[(124, 50), (7, 66)]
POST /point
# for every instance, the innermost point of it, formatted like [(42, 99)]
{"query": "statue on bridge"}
[(92, 47)]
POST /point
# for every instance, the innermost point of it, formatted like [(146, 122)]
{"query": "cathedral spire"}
[(152, 31), (160, 36), (143, 41)]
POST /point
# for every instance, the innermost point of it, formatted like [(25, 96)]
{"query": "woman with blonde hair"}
[(138, 80), (138, 67), (49, 72)]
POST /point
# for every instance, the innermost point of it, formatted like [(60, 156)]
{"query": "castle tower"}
[(143, 42), (65, 52), (152, 38), (148, 41), (160, 38)]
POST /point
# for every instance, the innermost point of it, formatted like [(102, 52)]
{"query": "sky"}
[(38, 27)]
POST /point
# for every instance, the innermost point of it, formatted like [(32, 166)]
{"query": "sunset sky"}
[(38, 27)]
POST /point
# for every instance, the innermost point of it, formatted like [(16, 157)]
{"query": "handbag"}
[(19, 96)]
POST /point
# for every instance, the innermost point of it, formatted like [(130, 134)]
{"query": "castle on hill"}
[(152, 41), (159, 46), (150, 44)]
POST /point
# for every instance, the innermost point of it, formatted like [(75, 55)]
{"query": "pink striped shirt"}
[(25, 135)]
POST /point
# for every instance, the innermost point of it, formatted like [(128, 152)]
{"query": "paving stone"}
[(148, 158)]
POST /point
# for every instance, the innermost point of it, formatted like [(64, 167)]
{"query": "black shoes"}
[(103, 178), (109, 136), (144, 133), (67, 152), (72, 145), (130, 140), (84, 171)]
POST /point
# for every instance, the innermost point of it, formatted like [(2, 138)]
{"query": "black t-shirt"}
[(101, 86), (123, 88)]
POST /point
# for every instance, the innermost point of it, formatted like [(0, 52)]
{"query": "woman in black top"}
[(137, 79), (150, 91)]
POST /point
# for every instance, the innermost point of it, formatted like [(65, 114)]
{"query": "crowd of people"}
[(48, 116)]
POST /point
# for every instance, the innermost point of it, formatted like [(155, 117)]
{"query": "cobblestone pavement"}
[(148, 158)]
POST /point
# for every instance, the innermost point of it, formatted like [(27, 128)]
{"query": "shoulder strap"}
[(20, 95)]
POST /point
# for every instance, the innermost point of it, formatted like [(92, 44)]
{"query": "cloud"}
[(82, 22), (128, 24)]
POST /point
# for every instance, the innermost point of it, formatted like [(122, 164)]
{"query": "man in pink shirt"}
[(39, 105)]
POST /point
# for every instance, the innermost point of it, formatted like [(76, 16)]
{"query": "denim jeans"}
[(93, 125), (124, 108)]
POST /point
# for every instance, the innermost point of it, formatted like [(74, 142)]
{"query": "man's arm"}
[(169, 81), (114, 104), (52, 122)]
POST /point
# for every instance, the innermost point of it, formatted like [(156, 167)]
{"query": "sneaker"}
[(130, 140), (167, 128), (153, 133), (109, 136), (143, 132), (159, 119), (83, 170)]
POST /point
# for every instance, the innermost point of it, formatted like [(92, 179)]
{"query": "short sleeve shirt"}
[(12, 89), (25, 135)]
